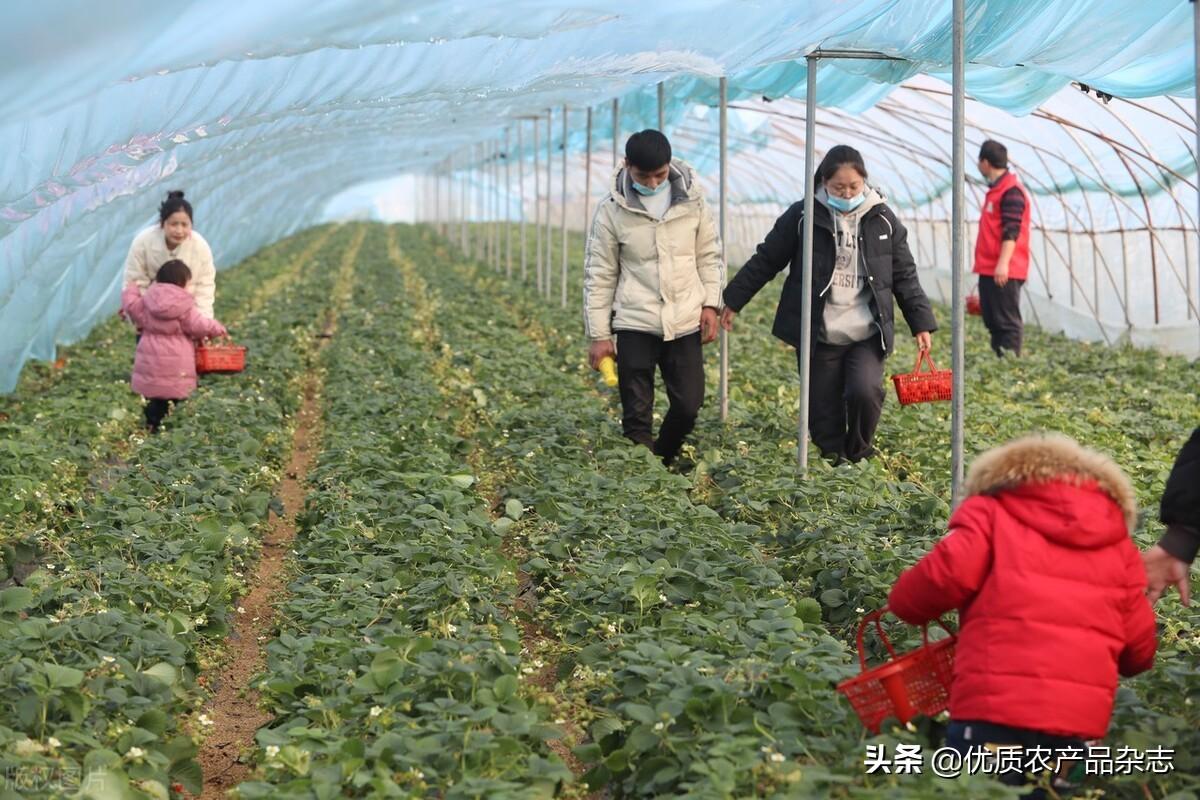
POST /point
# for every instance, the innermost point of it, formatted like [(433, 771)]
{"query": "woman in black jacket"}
[(861, 261), (1168, 561)]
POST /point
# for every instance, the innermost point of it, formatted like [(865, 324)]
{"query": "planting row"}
[(395, 670), (105, 639)]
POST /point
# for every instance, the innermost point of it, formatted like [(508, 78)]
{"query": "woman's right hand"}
[(727, 315)]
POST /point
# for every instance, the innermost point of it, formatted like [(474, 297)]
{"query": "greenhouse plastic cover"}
[(264, 110)]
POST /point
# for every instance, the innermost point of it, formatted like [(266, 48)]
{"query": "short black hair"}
[(174, 271), (173, 203), (843, 155), (648, 150), (994, 153)]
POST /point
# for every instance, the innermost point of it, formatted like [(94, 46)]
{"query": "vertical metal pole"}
[(662, 111), (497, 256), (616, 129), (485, 241), (476, 239), (485, 203), (549, 199), (587, 186), (564, 208), (1196, 48), (493, 239), (957, 253), (521, 198), (724, 205), (464, 214), (810, 159), (507, 204), (537, 201), (481, 202)]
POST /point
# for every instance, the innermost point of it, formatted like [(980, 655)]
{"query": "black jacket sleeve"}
[(772, 255), (905, 286), (1180, 510)]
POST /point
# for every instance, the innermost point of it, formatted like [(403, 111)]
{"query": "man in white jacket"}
[(652, 282)]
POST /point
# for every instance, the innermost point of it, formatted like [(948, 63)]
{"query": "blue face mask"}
[(844, 205), (647, 191)]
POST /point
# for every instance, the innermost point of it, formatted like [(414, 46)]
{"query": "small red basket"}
[(220, 358), (973, 306), (924, 387), (908, 685)]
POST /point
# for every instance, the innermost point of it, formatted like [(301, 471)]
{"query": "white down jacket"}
[(649, 275)]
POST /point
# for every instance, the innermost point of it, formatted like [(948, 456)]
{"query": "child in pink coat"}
[(164, 368)]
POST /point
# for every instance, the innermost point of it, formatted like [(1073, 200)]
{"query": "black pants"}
[(1001, 308), (156, 409), (845, 397), (681, 362), (967, 735)]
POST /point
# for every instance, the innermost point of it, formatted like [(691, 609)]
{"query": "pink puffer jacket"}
[(165, 364)]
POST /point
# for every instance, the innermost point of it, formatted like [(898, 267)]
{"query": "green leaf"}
[(155, 721), (606, 726), (15, 598), (107, 784), (640, 713), (505, 688), (808, 610), (63, 677), (189, 774), (462, 480), (588, 753), (386, 668), (833, 598), (513, 508), (163, 672)]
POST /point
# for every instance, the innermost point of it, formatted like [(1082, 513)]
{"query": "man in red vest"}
[(1002, 249)]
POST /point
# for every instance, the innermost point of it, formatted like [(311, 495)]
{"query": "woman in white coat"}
[(173, 238)]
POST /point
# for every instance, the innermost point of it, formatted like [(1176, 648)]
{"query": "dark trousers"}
[(845, 397), (157, 408), (966, 735), (1001, 309), (681, 362)]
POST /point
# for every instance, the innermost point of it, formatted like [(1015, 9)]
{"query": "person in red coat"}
[(1050, 591), (1002, 249)]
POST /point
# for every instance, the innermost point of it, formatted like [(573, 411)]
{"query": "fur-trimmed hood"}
[(1058, 474)]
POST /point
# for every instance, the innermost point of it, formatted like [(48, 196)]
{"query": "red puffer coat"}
[(1050, 589)]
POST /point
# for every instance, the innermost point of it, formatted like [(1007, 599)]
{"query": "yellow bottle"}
[(608, 368)]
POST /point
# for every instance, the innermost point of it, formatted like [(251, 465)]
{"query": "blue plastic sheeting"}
[(263, 110)]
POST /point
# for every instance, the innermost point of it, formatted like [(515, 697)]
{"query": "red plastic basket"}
[(973, 306), (220, 358), (908, 685), (924, 387)]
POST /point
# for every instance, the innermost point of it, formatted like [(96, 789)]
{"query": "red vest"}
[(987, 245)]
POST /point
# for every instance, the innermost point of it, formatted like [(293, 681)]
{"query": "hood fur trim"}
[(1051, 457)]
